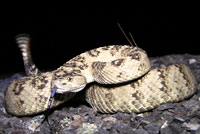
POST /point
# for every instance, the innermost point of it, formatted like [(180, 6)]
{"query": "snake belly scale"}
[(123, 81)]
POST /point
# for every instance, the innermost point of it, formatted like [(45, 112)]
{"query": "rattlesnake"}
[(123, 81)]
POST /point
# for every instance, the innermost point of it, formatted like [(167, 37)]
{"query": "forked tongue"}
[(49, 104)]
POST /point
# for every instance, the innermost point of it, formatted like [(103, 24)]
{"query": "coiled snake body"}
[(124, 82)]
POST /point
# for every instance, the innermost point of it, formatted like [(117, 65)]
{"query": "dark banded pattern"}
[(23, 41)]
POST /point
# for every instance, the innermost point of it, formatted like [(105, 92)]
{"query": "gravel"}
[(77, 117)]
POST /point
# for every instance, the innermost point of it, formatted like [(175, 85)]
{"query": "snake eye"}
[(136, 56), (69, 79)]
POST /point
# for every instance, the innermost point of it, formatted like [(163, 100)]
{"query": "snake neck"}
[(79, 65), (90, 63)]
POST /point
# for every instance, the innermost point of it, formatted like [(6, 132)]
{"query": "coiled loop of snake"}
[(106, 65), (110, 65)]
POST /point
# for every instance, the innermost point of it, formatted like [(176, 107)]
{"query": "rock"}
[(16, 131), (152, 128), (112, 119), (140, 131), (87, 128), (77, 122), (122, 128), (68, 131), (190, 104), (176, 128), (190, 126), (181, 118), (123, 116), (192, 61), (166, 106), (167, 116), (166, 130)]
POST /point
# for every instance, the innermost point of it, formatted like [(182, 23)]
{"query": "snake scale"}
[(121, 76)]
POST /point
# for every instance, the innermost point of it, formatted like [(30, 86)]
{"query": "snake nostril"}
[(64, 83)]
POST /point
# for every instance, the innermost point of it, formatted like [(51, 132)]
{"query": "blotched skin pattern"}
[(105, 65), (161, 85), (30, 95), (116, 67)]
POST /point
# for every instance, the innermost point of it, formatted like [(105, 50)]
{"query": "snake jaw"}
[(78, 89), (67, 84), (61, 90), (64, 89)]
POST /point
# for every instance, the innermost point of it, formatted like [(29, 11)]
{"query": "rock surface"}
[(77, 117)]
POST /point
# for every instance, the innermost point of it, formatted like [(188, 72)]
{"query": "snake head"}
[(66, 84)]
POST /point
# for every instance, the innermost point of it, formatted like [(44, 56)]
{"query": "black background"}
[(58, 34)]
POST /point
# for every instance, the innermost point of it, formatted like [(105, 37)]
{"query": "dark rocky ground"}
[(77, 117)]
